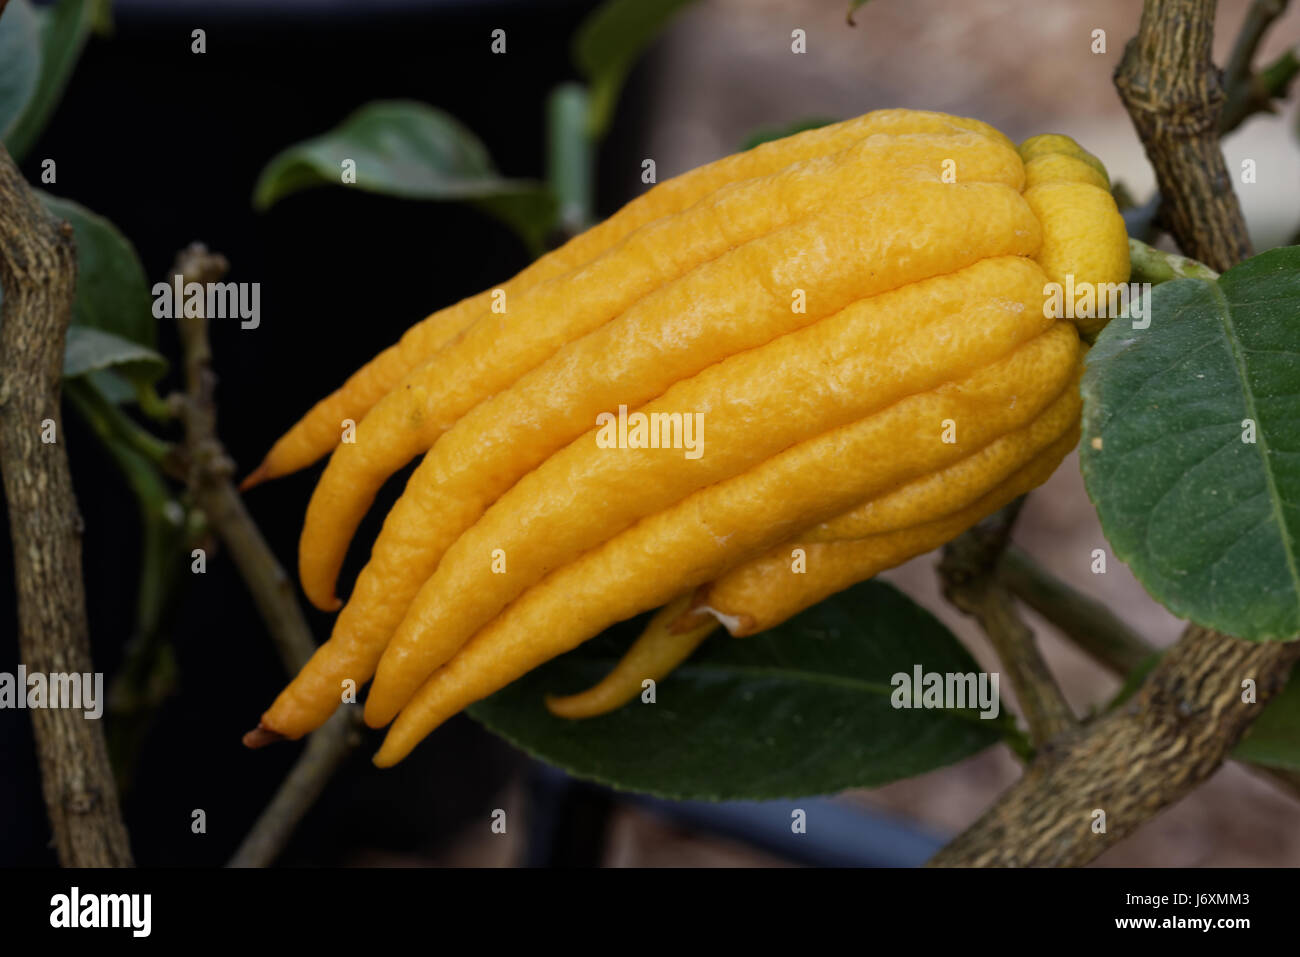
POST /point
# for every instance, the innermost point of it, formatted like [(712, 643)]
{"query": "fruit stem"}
[(1156, 266)]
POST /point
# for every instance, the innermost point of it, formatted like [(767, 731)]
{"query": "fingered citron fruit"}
[(835, 343)]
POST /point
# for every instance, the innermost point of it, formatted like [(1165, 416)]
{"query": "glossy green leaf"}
[(802, 709), (64, 28), (1274, 739), (531, 213), (607, 45), (769, 133), (112, 293), (112, 386), (89, 350), (20, 62), (411, 150), (1207, 518)]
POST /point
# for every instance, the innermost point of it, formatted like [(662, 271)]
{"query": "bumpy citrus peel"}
[(652, 657), (741, 304), (763, 593), (830, 477), (496, 351), (319, 430)]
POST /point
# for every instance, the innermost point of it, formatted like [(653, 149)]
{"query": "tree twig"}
[(38, 271), (1129, 764), (1259, 18), (326, 750), (208, 470), (1238, 76), (1097, 631), (1174, 97), (1088, 623), (1258, 93), (570, 157), (970, 583)]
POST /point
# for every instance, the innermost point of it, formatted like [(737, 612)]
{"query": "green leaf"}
[(20, 62), (1207, 521), (530, 213), (90, 350), (408, 149), (112, 292), (802, 709), (608, 43), (64, 29), (769, 133), (147, 673), (853, 8), (1274, 739), (111, 385)]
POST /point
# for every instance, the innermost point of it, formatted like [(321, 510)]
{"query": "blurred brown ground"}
[(724, 69)]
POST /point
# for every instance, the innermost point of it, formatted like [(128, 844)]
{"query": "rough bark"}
[(1174, 95), (1172, 735), (38, 270)]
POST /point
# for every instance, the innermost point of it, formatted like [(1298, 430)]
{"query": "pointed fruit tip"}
[(255, 477), (261, 736)]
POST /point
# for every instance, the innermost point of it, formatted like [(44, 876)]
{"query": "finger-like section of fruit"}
[(956, 486), (318, 431), (647, 563), (495, 352), (322, 427), (1085, 241), (653, 656), (1060, 167), (1085, 246), (759, 403), (731, 522), (1048, 144), (758, 595), (765, 592)]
